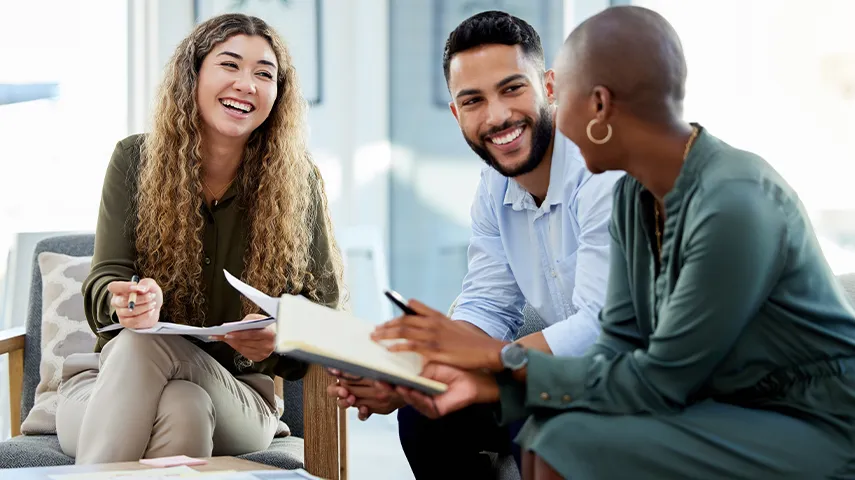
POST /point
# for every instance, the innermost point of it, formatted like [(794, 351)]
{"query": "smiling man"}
[(539, 236)]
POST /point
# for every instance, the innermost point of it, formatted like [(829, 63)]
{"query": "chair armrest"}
[(325, 441), (12, 341)]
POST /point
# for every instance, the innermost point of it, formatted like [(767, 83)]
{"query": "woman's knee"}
[(578, 431), (186, 407), (542, 470), (130, 348), (576, 437), (185, 421), (130, 342), (184, 424)]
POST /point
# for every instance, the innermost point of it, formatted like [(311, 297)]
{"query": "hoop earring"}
[(604, 139)]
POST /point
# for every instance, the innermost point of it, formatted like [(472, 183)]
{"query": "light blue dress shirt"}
[(555, 257)]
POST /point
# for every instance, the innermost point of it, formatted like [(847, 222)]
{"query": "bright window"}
[(778, 78), (63, 107)]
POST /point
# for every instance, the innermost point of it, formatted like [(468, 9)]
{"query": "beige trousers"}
[(148, 396)]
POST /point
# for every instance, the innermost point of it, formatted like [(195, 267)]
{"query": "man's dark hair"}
[(491, 28)]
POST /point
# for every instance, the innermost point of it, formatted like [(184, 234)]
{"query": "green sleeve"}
[(512, 404), (321, 267), (115, 255), (735, 241)]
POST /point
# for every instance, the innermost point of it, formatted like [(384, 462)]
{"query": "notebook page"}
[(339, 333)]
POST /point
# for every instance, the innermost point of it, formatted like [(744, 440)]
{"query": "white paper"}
[(147, 474), (166, 328), (298, 474), (267, 303)]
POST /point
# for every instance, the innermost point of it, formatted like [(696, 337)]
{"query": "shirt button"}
[(565, 399), (544, 396), (207, 260), (554, 274)]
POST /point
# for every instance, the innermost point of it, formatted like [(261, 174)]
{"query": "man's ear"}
[(549, 85), (453, 108)]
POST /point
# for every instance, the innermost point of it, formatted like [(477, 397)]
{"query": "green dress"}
[(734, 358)]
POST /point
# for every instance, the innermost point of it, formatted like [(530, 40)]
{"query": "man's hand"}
[(255, 345), (363, 394), (441, 340), (146, 310), (464, 389)]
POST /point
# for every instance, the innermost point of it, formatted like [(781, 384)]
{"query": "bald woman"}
[(727, 347)]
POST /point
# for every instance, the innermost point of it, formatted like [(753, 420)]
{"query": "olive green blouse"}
[(224, 243)]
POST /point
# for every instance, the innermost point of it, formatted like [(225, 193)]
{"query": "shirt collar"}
[(518, 198)]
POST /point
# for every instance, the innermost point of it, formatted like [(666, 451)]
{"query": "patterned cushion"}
[(64, 331), (75, 246)]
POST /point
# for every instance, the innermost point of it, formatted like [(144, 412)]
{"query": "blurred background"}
[(76, 76)]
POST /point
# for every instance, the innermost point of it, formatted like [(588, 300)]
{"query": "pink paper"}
[(175, 461)]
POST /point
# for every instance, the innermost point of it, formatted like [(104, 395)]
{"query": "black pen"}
[(132, 299)]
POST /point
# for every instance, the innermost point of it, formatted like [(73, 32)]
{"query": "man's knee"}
[(185, 420), (413, 428)]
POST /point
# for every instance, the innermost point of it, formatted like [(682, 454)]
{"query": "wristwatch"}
[(514, 356)]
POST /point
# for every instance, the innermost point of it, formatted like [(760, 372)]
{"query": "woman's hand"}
[(146, 310), (464, 388), (255, 345)]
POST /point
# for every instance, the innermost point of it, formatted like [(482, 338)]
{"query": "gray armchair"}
[(318, 441)]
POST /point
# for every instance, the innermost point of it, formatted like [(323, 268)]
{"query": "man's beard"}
[(542, 130)]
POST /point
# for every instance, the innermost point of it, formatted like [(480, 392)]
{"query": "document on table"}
[(184, 471), (146, 474), (298, 474)]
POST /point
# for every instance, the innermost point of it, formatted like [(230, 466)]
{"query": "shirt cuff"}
[(572, 337), (490, 327), (511, 399), (554, 382)]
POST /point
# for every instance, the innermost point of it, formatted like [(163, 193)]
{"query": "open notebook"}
[(336, 339)]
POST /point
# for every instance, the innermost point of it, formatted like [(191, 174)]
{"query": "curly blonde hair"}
[(279, 187)]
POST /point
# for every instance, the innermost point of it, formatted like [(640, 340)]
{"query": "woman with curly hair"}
[(224, 181)]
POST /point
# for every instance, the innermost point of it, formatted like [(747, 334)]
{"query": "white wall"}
[(576, 11)]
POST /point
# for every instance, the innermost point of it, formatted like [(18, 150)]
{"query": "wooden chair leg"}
[(322, 442), (342, 436), (16, 384)]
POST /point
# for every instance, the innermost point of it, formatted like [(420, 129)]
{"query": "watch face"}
[(514, 356)]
